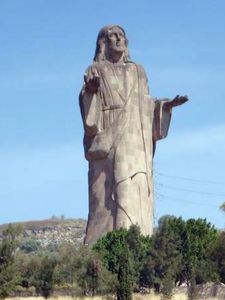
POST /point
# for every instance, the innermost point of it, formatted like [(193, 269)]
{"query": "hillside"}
[(52, 231)]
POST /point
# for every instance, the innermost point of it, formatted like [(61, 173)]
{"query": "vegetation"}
[(8, 273), (222, 207), (124, 276), (179, 252)]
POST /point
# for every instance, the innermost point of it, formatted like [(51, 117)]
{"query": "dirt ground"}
[(135, 297)]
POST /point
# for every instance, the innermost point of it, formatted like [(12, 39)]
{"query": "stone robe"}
[(122, 124)]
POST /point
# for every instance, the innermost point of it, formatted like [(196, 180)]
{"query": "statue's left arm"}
[(162, 115)]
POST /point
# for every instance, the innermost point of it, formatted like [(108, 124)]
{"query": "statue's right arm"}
[(88, 101), (91, 80)]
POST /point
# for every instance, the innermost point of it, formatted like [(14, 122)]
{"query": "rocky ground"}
[(210, 290), (52, 231)]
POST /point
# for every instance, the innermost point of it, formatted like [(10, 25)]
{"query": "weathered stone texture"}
[(122, 123)]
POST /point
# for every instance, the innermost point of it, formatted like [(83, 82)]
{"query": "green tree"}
[(28, 266), (181, 252), (43, 279), (8, 245), (109, 248), (98, 278), (139, 246), (125, 281), (71, 259), (197, 246), (164, 260), (93, 277), (195, 240), (219, 256)]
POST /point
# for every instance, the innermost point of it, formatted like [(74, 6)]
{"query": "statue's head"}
[(111, 39)]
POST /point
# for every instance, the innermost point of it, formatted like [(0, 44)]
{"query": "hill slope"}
[(52, 231)]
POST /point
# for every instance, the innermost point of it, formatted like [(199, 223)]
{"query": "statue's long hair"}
[(100, 54)]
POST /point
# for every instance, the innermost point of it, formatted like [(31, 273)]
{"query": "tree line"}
[(124, 261)]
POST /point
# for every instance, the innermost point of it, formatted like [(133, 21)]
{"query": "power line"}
[(186, 201), (189, 179), (190, 191)]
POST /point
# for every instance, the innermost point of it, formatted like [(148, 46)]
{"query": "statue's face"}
[(116, 41)]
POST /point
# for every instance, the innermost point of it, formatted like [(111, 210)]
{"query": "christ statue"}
[(122, 123)]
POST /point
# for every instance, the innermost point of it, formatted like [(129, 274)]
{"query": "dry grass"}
[(152, 296), (135, 297)]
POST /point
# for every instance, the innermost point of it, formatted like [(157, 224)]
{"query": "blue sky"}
[(45, 47)]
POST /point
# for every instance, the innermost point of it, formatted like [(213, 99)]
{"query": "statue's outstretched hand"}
[(178, 100), (92, 82)]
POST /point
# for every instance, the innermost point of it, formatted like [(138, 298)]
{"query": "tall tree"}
[(219, 256), (109, 248), (164, 259), (139, 246), (124, 275), (94, 278), (44, 279), (8, 245), (198, 242), (124, 252)]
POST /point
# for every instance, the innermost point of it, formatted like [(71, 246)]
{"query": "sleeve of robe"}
[(161, 120)]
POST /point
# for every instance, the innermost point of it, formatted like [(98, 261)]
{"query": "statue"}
[(122, 123)]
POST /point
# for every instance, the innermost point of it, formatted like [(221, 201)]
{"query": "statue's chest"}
[(120, 80)]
